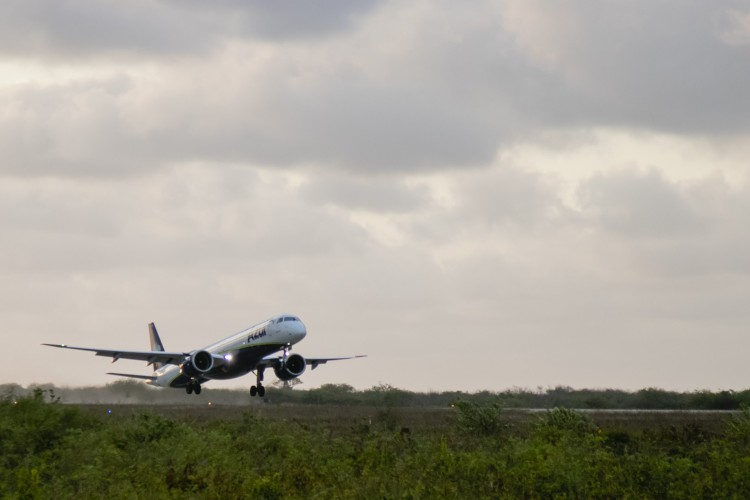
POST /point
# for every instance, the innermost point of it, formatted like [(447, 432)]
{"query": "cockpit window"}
[(285, 318)]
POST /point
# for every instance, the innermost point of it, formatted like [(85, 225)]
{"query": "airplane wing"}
[(148, 356), (312, 362)]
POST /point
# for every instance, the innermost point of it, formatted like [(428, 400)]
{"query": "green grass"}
[(48, 449)]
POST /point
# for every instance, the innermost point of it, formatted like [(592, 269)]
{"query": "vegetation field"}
[(338, 417), (467, 449), (133, 392)]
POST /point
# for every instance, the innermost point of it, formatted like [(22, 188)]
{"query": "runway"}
[(412, 417)]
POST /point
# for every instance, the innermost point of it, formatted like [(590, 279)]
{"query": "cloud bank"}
[(505, 194)]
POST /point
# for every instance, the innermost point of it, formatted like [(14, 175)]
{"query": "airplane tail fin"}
[(156, 344)]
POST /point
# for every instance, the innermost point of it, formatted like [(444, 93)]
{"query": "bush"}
[(480, 419), (559, 422), (738, 427)]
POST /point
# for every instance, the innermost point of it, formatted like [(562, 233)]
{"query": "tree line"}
[(133, 392)]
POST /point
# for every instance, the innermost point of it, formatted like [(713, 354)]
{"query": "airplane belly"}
[(179, 381), (243, 361)]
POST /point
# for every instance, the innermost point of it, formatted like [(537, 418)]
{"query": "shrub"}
[(738, 426), (559, 422), (478, 419)]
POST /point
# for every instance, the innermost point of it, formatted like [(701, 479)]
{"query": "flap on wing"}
[(148, 356)]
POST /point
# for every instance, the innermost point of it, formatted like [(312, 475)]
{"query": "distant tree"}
[(287, 384), (337, 388), (657, 399), (11, 391)]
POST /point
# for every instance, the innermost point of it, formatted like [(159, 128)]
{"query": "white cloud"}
[(738, 29), (639, 205)]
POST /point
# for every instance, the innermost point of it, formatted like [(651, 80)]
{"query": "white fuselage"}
[(238, 354)]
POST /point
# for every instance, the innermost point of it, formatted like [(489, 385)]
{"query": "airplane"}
[(251, 350)]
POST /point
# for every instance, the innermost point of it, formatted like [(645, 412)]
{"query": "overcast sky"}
[(477, 195)]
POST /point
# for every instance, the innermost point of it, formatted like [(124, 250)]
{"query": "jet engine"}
[(200, 362), (293, 367)]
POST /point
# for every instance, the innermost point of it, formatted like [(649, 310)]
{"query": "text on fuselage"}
[(257, 335)]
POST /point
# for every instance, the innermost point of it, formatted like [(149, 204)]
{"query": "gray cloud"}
[(655, 65), (439, 99), (382, 195), (639, 205), (195, 218), (446, 99), (509, 198), (207, 165), (668, 229), (76, 28)]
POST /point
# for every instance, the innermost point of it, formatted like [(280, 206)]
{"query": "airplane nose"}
[(298, 330), (290, 328)]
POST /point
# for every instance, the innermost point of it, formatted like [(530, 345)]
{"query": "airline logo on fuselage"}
[(257, 335)]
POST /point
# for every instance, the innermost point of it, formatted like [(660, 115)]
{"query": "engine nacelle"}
[(199, 362), (293, 367)]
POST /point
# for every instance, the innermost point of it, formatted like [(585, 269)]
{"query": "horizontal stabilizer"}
[(130, 375)]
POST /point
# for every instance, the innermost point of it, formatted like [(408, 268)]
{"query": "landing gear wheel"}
[(258, 390), (197, 389), (189, 388)]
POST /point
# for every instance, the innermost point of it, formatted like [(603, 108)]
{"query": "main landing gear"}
[(193, 387), (259, 390)]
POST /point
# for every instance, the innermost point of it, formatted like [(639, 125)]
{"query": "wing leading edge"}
[(150, 357)]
